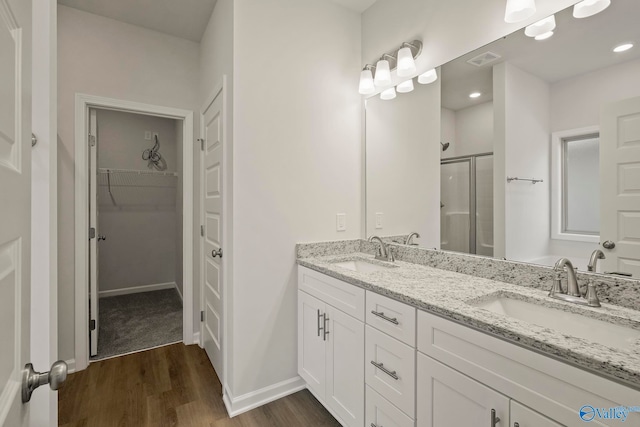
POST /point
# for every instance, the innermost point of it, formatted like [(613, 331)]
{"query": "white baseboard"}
[(179, 293), (138, 289), (238, 405), (196, 338), (71, 366)]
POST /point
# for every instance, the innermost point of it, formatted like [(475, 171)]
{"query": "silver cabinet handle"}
[(380, 366), (215, 253), (608, 244), (320, 328), (31, 379), (326, 329), (381, 315), (494, 420)]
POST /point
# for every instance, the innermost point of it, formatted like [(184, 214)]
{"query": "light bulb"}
[(405, 87), (587, 8), (623, 47), (366, 83), (406, 64), (388, 94), (383, 74), (474, 95), (519, 10), (544, 36), (543, 26), (427, 77)]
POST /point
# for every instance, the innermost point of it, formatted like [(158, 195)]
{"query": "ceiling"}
[(356, 5), (579, 46), (186, 19)]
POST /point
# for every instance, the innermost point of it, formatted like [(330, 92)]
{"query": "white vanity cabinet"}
[(331, 344), (521, 416)]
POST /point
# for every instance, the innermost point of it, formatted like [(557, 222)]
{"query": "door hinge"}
[(202, 230), (92, 140), (202, 316), (92, 325), (92, 233)]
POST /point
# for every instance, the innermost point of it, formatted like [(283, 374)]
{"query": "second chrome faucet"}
[(572, 293)]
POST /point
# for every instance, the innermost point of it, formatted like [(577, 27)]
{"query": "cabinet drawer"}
[(394, 373), (341, 295), (392, 317), (381, 413)]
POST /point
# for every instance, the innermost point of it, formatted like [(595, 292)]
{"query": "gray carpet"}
[(138, 321)]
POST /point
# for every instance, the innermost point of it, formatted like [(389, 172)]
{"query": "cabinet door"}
[(311, 344), (521, 416), (381, 413), (448, 398), (345, 367)]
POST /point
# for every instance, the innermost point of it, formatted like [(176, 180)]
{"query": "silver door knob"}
[(31, 379), (102, 237), (608, 244), (215, 253)]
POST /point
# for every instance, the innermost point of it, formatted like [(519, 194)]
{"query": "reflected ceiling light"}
[(388, 94), (405, 87), (427, 77), (519, 10), (366, 86), (383, 73), (475, 95), (623, 47), (406, 62), (541, 27), (544, 36), (587, 8)]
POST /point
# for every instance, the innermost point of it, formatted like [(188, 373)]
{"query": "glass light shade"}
[(544, 36), (428, 77), (406, 64), (519, 10), (587, 8), (543, 26), (383, 73), (405, 87), (366, 83), (388, 94)]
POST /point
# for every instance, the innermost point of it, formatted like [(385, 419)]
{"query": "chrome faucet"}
[(593, 262), (384, 252), (573, 291), (409, 239)]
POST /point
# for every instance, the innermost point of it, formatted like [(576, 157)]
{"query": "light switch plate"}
[(341, 222), (147, 135), (379, 216)]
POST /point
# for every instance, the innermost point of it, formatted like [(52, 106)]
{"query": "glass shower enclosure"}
[(466, 204)]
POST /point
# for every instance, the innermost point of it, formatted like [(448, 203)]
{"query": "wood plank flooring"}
[(170, 386)]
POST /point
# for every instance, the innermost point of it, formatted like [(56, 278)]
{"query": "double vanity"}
[(399, 344)]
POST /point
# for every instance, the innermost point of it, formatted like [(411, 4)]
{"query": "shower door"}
[(466, 204)]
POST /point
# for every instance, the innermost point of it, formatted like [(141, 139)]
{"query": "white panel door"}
[(448, 398), (521, 416), (311, 342), (620, 186), (212, 290), (93, 237), (345, 366), (15, 205)]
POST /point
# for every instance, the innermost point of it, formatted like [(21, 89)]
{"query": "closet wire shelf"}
[(136, 178)]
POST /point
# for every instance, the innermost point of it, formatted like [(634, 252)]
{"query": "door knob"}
[(102, 237), (608, 244), (31, 379), (215, 253)]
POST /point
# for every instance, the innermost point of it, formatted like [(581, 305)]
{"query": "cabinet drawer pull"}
[(494, 420), (326, 329), (382, 316), (380, 366), (320, 328), (373, 425)]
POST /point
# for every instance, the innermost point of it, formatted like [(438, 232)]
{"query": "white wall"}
[(297, 153), (103, 57), (468, 130), (403, 165), (447, 130)]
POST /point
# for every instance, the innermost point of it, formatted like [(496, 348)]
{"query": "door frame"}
[(82, 104)]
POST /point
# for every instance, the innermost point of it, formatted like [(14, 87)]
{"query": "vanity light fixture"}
[(402, 59), (383, 73), (474, 95), (544, 36), (587, 8), (366, 86), (428, 77), (406, 62), (519, 10), (623, 47), (388, 94), (405, 87), (541, 27)]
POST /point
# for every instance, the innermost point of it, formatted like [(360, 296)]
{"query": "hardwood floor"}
[(170, 386)]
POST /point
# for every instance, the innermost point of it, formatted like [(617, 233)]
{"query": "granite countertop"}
[(451, 295)]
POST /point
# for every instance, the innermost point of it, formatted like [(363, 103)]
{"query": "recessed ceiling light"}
[(544, 36), (475, 95), (623, 47)]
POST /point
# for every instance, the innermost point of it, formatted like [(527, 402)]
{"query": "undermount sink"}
[(565, 322), (361, 266)]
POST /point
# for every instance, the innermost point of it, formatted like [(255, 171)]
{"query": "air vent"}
[(484, 59)]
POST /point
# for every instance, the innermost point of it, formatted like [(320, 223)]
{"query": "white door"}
[(521, 416), (345, 366), (212, 251), (93, 235), (15, 205), (620, 187), (448, 398), (311, 342)]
